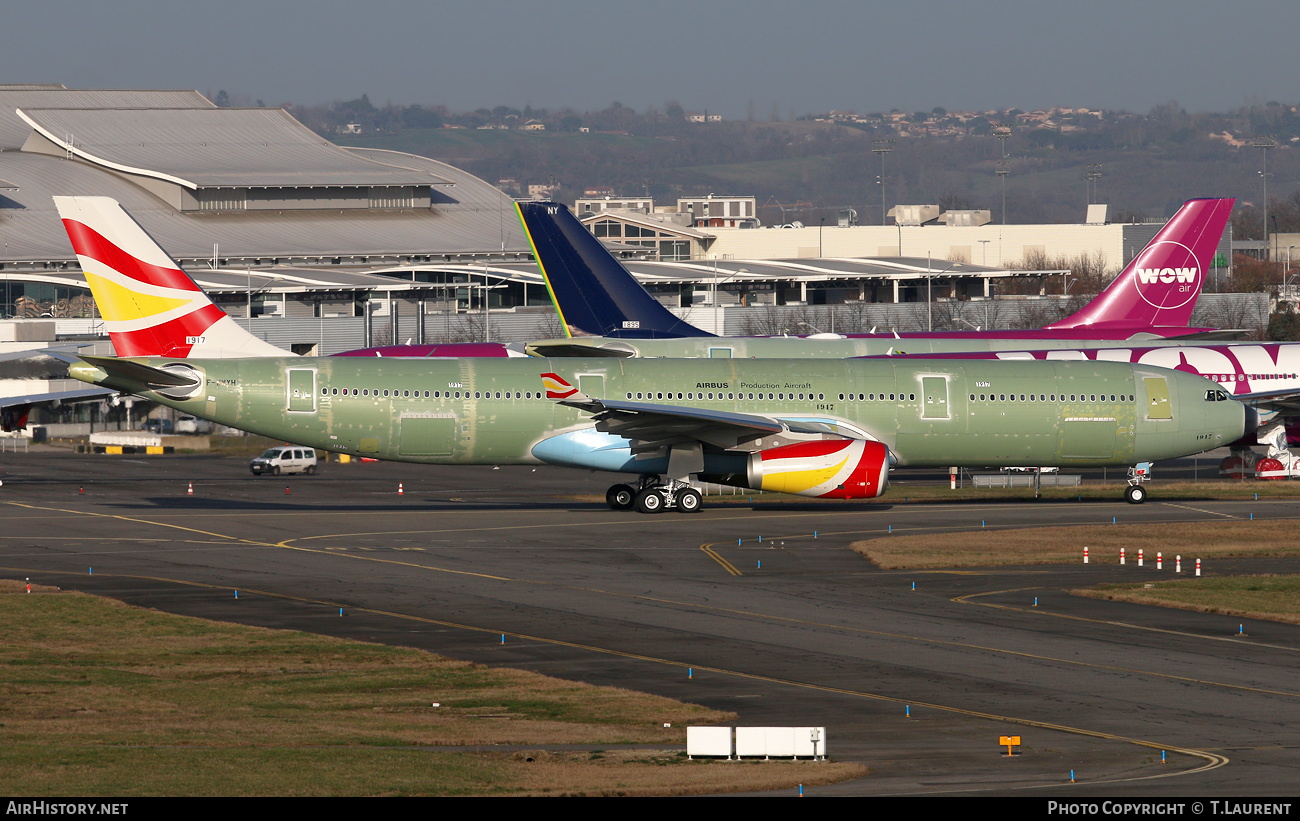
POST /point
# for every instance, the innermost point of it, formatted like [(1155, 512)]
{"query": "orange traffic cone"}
[(399, 489), (190, 492)]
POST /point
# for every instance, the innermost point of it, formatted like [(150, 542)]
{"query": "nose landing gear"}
[(1135, 493)]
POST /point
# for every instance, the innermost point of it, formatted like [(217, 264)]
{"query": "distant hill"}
[(1149, 164)]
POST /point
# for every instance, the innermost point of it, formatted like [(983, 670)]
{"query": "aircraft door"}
[(1158, 406), (302, 390), (592, 384), (934, 389), (427, 434)]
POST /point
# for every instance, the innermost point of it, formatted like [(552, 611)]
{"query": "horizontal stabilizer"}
[(132, 375)]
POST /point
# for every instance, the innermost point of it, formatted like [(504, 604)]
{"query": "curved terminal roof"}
[(214, 148), (14, 131), (182, 133)]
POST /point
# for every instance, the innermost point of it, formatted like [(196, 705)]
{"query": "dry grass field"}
[(100, 698), (1061, 545), (1275, 598)]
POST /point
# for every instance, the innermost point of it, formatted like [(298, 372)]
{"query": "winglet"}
[(1160, 286), (150, 306), (592, 291)]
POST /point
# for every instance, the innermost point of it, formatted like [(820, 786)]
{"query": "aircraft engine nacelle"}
[(828, 468)]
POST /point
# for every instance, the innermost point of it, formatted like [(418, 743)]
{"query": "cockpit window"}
[(1216, 396)]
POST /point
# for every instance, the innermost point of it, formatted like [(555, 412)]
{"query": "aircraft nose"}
[(1252, 420)]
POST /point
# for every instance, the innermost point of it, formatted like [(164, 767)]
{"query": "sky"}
[(725, 56)]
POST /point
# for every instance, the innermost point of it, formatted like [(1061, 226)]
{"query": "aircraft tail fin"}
[(149, 305), (591, 289), (1160, 286)]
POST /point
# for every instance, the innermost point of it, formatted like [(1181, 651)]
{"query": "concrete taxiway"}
[(791, 630)]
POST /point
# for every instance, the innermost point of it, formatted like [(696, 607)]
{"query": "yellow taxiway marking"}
[(713, 554), (1212, 760), (967, 599), (1201, 510)]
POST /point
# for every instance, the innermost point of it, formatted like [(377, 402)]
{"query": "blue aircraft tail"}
[(592, 291)]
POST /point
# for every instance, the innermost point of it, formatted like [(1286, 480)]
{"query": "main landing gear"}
[(1135, 494), (654, 495)]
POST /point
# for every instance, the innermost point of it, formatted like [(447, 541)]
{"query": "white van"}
[(192, 424), (286, 459)]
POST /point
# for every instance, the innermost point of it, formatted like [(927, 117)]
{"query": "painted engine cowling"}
[(828, 469)]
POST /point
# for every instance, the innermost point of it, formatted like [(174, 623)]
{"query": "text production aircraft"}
[(825, 428)]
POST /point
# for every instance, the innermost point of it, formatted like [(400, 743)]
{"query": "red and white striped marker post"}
[(1198, 567), (1160, 561), (1178, 563), (1121, 555), (1139, 557), (1085, 554)]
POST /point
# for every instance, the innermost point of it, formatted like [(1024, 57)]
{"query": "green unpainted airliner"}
[(826, 428), (819, 428)]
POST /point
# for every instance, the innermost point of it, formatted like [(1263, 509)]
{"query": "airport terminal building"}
[(322, 248)]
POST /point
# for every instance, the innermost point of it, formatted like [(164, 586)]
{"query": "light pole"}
[(1264, 142), (1090, 178), (1003, 133), (882, 147), (1004, 168)]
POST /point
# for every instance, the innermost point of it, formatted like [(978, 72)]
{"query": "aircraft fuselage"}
[(493, 411)]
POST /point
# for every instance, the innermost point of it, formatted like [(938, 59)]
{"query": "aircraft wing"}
[(1286, 403), (1215, 335), (649, 426), (578, 347)]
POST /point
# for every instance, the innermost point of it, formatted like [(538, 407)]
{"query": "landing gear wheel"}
[(689, 500), (650, 500), (621, 497), (1135, 494)]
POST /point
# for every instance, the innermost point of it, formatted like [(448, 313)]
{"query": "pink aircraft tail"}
[(1161, 284), (149, 305)]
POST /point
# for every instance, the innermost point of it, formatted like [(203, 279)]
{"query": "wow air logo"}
[(1167, 275)]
